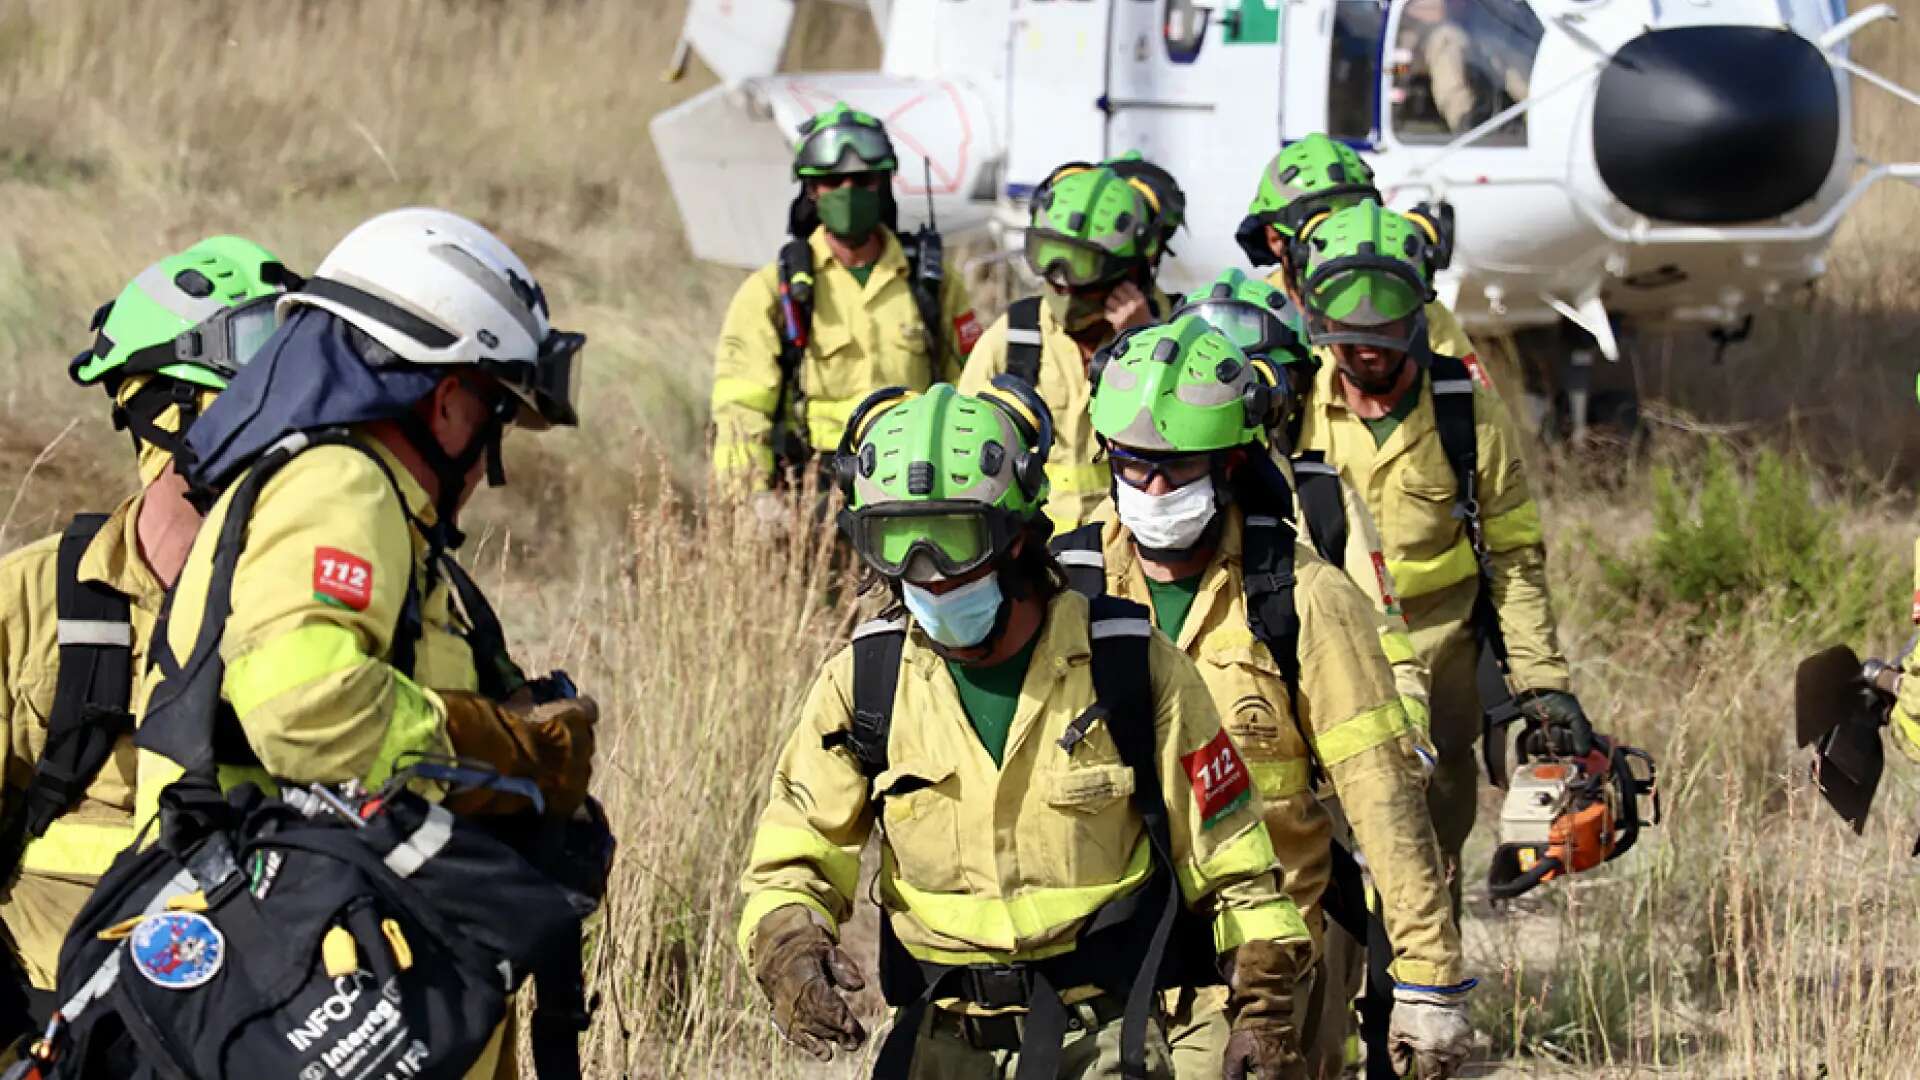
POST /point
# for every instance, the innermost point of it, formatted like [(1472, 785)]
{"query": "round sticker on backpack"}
[(178, 950)]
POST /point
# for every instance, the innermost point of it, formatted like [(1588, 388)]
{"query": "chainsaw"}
[(1568, 810), (1840, 704)]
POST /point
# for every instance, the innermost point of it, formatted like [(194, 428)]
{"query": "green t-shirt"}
[(861, 273), (990, 695), (1385, 426), (1171, 602)]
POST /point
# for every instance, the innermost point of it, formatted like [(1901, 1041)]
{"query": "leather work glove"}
[(550, 744), (1565, 723), (1264, 1044), (802, 972), (1429, 1035)]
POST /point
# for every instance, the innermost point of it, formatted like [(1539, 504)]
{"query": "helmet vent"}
[(1077, 220), (920, 478), (1166, 350), (193, 283)]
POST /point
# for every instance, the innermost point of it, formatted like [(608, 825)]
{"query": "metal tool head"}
[(1826, 690), (1836, 713)]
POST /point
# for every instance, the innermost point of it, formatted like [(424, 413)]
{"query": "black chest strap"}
[(1323, 504), (92, 690), (1023, 340), (1082, 555), (189, 720)]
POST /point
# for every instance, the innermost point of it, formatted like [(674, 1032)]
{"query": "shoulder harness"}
[(1023, 340)]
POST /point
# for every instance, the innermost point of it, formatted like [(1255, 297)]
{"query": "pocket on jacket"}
[(920, 802)]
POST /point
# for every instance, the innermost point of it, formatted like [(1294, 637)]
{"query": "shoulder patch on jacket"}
[(1385, 579), (1220, 780), (342, 579), (1472, 362), (966, 328)]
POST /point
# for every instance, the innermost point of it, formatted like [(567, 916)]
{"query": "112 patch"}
[(342, 579), (966, 328), (1221, 783), (1387, 599)]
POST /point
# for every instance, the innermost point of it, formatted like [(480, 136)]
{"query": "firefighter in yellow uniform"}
[(389, 341), (1195, 533), (1375, 410), (1094, 237), (64, 825), (1260, 319), (1030, 844), (849, 307), (1307, 180)]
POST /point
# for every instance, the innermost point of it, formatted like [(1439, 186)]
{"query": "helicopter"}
[(1612, 166)]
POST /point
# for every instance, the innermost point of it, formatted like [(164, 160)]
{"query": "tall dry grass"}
[(1750, 936)]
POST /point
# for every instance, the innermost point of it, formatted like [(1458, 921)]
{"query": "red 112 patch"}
[(967, 329), (341, 579), (1220, 781)]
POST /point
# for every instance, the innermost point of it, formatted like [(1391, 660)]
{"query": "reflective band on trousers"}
[(77, 848), (1001, 924)]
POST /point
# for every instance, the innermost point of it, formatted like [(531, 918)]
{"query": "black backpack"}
[(288, 934), (1133, 946)]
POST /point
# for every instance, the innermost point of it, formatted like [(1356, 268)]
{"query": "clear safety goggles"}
[(926, 541), (226, 340), (547, 387), (1365, 300), (1068, 262), (843, 148), (1258, 331), (1137, 470)]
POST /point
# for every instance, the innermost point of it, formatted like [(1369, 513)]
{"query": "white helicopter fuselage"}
[(1659, 160)]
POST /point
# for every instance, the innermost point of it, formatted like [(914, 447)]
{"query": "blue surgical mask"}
[(959, 619)]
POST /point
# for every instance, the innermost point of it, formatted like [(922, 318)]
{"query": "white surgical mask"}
[(1170, 522)]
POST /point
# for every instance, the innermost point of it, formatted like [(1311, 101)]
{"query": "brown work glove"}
[(802, 972), (550, 744), (1261, 978)]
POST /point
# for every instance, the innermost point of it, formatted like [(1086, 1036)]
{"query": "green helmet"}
[(1314, 175), (843, 140), (222, 289), (1256, 316), (1365, 281), (1180, 387), (1090, 226), (940, 483), (1166, 203)]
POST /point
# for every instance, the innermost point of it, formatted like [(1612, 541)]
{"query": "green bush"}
[(1727, 538)]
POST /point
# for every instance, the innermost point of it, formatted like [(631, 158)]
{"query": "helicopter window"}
[(1353, 71), (1457, 64), (1185, 29)]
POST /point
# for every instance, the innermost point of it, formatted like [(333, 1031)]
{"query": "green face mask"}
[(850, 212), (1076, 311)]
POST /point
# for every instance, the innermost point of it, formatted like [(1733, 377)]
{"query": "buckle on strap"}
[(997, 986)]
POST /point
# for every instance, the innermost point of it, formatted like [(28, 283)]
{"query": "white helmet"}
[(433, 288)]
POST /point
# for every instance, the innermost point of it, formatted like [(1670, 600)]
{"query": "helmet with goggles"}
[(1365, 279), (1309, 177), (197, 316), (1091, 226), (430, 288), (1255, 315), (842, 140), (1180, 388), (940, 483)]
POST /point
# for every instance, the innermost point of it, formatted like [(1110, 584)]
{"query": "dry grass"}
[(1749, 938)]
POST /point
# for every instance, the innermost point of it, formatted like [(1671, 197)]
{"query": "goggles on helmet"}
[(1070, 263), (225, 341), (547, 387), (1137, 470), (926, 541), (838, 148), (1365, 300), (1258, 331)]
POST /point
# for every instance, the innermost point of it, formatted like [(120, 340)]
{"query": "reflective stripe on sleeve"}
[(729, 391), (1242, 857), (1378, 725), (776, 846), (1418, 577), (1276, 921), (1518, 527), (77, 848), (1066, 477)]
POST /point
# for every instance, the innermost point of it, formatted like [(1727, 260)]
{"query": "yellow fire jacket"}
[(1409, 486), (995, 865), (1350, 725), (1077, 479), (58, 871), (863, 337), (1365, 563), (316, 597), (1906, 710)]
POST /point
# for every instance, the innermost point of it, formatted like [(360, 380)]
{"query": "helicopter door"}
[(1055, 83), (1195, 88), (1455, 65)]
